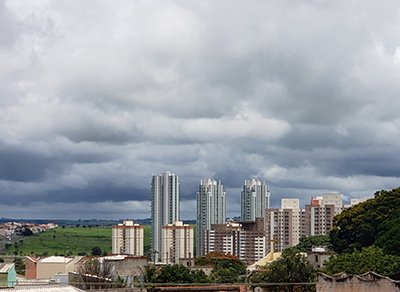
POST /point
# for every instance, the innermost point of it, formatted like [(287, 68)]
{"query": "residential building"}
[(164, 206), (319, 214), (177, 242), (318, 256), (283, 225), (46, 268), (8, 275), (246, 240), (356, 201), (254, 200), (128, 238), (211, 208)]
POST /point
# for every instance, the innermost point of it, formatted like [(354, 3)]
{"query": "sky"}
[(96, 96)]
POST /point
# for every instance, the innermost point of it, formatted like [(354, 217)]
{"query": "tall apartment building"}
[(254, 200), (319, 214), (211, 208), (283, 225), (246, 240), (128, 238), (177, 242), (164, 206)]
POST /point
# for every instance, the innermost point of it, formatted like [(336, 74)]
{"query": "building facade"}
[(211, 209), (177, 242), (164, 206), (246, 240), (283, 225), (128, 238), (254, 200), (319, 214)]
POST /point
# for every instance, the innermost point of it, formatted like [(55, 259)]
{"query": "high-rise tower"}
[(211, 209), (254, 200), (164, 206)]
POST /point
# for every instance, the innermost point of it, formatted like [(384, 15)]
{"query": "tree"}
[(26, 231), (389, 236), (174, 274), (19, 265), (306, 243), (94, 275), (368, 259), (363, 224), (96, 251), (292, 267), (226, 268)]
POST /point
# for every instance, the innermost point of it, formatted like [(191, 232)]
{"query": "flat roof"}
[(4, 268), (56, 259)]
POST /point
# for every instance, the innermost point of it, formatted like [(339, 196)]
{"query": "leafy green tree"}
[(306, 243), (96, 251), (149, 274), (200, 277), (226, 268), (363, 224), (19, 265), (389, 236), (292, 267), (174, 274), (368, 259)]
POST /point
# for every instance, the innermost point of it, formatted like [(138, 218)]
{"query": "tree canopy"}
[(306, 243), (226, 268), (292, 267), (368, 259), (373, 222), (174, 274)]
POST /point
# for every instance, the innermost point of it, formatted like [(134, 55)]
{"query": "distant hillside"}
[(65, 222), (373, 222)]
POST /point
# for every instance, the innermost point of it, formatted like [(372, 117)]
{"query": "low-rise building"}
[(46, 268), (318, 256), (8, 275)]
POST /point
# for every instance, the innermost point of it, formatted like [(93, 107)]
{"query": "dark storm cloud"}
[(94, 99)]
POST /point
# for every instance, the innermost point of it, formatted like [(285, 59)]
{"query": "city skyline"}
[(302, 95)]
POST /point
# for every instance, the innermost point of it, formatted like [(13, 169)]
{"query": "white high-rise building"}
[(128, 238), (177, 242), (211, 208), (254, 200), (164, 206)]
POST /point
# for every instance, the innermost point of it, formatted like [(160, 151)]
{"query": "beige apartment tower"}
[(283, 225), (128, 238), (177, 242), (319, 214), (246, 240)]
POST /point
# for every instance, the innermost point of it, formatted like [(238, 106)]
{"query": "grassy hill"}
[(68, 241)]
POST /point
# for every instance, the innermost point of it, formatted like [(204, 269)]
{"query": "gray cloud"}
[(96, 98)]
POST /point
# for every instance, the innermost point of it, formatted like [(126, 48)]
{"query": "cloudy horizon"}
[(96, 96)]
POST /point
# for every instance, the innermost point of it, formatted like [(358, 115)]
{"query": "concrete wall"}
[(130, 266), (369, 282), (30, 269)]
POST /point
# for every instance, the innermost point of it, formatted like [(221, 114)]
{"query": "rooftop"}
[(4, 268), (56, 259)]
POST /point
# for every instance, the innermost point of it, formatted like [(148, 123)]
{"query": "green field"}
[(69, 241)]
